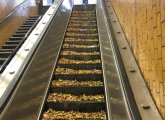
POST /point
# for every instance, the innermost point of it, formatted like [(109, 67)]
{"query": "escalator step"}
[(5, 54), (81, 106), (2, 60), (19, 34), (13, 42), (22, 31), (28, 23), (15, 38), (12, 46), (34, 16), (28, 26), (6, 50)]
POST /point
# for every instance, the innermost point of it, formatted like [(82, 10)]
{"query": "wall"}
[(10, 26), (143, 22)]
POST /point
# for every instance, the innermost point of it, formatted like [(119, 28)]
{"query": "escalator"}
[(77, 89), (15, 42), (75, 72)]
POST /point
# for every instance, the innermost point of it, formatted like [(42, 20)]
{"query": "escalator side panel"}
[(116, 104)]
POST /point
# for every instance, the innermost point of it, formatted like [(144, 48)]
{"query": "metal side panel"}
[(117, 106), (143, 99), (10, 76), (27, 100)]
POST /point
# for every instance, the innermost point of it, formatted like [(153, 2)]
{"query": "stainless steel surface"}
[(144, 101), (8, 80), (117, 107)]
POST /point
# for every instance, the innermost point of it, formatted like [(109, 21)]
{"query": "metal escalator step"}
[(81, 57), (2, 60), (32, 18), (13, 42), (81, 106), (81, 49), (5, 54), (22, 31), (82, 37), (15, 38), (37, 16), (6, 50), (84, 77), (81, 66), (19, 34), (12, 46), (24, 28), (28, 23), (78, 90), (83, 27), (82, 42), (29, 26)]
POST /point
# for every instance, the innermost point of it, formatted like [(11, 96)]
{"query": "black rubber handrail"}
[(12, 12), (18, 46)]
